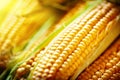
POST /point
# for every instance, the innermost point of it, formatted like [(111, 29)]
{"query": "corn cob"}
[(75, 11), (106, 67), (63, 55), (23, 68)]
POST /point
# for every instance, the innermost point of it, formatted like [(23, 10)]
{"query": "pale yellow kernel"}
[(75, 41), (39, 69), (108, 65), (35, 73), (57, 44), (52, 60), (74, 31), (56, 65), (33, 77), (61, 59), (44, 75), (63, 66), (31, 68), (68, 50), (48, 65), (81, 47), (54, 56), (53, 68), (71, 47), (42, 66), (56, 53), (71, 34), (51, 72), (58, 61), (28, 66), (53, 48), (63, 55), (77, 51), (38, 74), (60, 48), (61, 70), (49, 75), (46, 70), (66, 64), (73, 44), (69, 61), (94, 77), (19, 70), (104, 77), (63, 45), (45, 59), (98, 73)]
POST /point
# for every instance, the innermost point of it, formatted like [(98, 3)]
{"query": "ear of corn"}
[(76, 11), (62, 57), (113, 33), (59, 26), (106, 67)]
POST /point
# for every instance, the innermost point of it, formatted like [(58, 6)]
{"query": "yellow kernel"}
[(46, 70), (94, 77), (108, 65), (56, 65), (48, 65), (98, 73), (44, 75), (52, 60), (19, 70)]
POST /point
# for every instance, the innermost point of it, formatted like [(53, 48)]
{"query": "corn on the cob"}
[(65, 53), (23, 68), (106, 67)]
